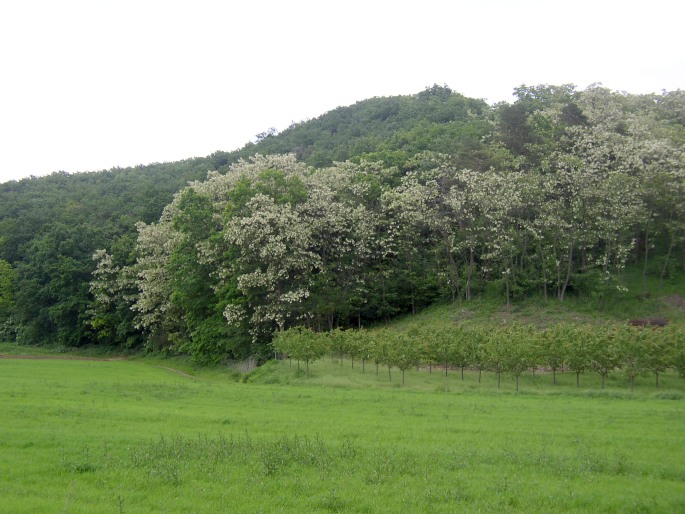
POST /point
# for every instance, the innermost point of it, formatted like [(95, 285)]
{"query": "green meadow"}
[(146, 435)]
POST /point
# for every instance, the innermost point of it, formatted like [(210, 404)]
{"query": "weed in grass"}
[(332, 502), (668, 395)]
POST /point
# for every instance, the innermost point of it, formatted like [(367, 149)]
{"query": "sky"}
[(92, 85)]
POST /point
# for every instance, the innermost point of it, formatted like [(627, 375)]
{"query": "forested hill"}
[(391, 130), (385, 206), (380, 129), (51, 226)]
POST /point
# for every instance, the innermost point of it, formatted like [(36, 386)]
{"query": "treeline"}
[(389, 130), (51, 226), (513, 350), (441, 198), (275, 243)]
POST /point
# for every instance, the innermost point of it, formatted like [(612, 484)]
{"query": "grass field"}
[(87, 436)]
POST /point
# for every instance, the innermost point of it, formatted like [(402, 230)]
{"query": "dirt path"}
[(178, 372), (82, 358), (60, 357)]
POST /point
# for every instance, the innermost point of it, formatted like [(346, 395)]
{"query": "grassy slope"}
[(665, 300)]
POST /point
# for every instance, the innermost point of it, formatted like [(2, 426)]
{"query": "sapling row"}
[(512, 349)]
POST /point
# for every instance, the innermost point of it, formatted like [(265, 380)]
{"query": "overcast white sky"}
[(89, 85)]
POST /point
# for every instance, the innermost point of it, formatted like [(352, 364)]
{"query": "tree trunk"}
[(413, 300), (665, 266), (544, 270), (557, 291), (568, 274), (644, 266), (454, 270), (506, 281), (469, 274)]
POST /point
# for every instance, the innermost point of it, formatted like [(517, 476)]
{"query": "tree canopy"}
[(364, 213)]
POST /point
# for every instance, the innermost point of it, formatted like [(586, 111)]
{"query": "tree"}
[(382, 351), (518, 351), (441, 346), (362, 343), (7, 278), (461, 348), (554, 348), (678, 342), (495, 346), (579, 357), (113, 290), (659, 351), (355, 342), (404, 352), (337, 343), (273, 260), (301, 343), (154, 282), (633, 353), (603, 345), (52, 292), (478, 346)]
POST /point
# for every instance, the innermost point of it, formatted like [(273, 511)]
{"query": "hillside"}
[(391, 130), (51, 226), (382, 208)]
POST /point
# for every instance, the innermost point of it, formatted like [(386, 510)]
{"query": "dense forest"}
[(365, 213)]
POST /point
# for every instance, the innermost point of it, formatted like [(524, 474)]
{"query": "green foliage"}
[(511, 348), (391, 130), (404, 353), (300, 343), (51, 226), (7, 278), (579, 353), (633, 354), (604, 349), (368, 212)]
